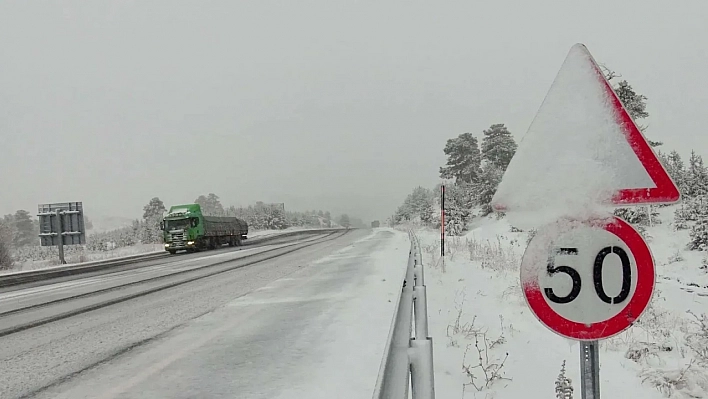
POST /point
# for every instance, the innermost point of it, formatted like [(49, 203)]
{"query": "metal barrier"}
[(408, 359)]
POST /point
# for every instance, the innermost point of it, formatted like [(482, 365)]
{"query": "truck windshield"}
[(176, 224)]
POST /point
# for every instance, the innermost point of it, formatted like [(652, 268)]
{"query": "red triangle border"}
[(665, 190)]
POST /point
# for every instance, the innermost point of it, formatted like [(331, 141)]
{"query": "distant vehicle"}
[(186, 228), (375, 224)]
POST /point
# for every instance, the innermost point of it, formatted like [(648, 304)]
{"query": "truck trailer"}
[(185, 227)]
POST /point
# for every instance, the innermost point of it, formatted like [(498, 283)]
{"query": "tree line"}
[(19, 232)]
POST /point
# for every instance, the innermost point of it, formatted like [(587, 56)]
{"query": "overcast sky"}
[(339, 105)]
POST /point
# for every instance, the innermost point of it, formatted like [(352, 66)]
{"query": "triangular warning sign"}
[(583, 148)]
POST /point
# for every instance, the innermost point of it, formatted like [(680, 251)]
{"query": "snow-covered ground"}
[(489, 345), (138, 249)]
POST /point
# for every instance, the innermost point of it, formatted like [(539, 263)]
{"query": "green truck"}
[(185, 227)]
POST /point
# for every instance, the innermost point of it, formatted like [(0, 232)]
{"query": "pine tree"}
[(633, 102), (694, 208), (6, 260), (486, 187), (23, 229), (154, 209), (498, 146), (275, 219), (696, 176), (680, 220), (638, 215), (699, 236), (463, 159), (677, 170), (344, 220), (458, 202), (211, 205), (564, 385)]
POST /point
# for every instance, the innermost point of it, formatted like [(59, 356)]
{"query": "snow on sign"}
[(588, 280), (582, 148)]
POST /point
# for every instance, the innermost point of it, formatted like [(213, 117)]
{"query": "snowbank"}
[(49, 257)]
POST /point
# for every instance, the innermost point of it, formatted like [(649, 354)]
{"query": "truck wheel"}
[(172, 251)]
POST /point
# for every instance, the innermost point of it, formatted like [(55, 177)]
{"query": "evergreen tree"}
[(6, 260), (498, 146), (154, 209), (694, 209), (344, 220), (458, 202), (633, 102), (699, 236), (23, 229), (275, 219), (211, 205), (638, 216), (696, 176), (463, 159), (675, 167), (680, 220), (487, 186)]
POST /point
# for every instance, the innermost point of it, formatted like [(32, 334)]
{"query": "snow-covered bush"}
[(676, 257), (699, 236), (638, 216), (689, 380), (692, 209), (485, 370), (493, 255), (680, 219), (697, 338)]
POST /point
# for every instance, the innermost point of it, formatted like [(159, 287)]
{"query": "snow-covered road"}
[(312, 323)]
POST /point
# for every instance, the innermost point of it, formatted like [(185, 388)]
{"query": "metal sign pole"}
[(60, 230), (590, 370)]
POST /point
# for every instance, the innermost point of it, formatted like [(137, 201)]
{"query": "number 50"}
[(596, 276)]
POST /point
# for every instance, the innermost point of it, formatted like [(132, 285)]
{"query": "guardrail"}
[(408, 359), (30, 276)]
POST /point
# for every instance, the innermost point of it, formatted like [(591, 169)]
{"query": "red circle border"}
[(646, 279)]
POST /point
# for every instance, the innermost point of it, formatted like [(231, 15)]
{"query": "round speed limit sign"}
[(588, 280)]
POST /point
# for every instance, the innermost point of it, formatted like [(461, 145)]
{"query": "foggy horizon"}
[(321, 105)]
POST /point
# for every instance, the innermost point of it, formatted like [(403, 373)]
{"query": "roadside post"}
[(442, 225), (586, 274)]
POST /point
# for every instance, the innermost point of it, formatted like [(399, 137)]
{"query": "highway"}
[(248, 322)]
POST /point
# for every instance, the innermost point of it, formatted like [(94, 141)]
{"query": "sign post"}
[(589, 277), (61, 224), (589, 370)]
